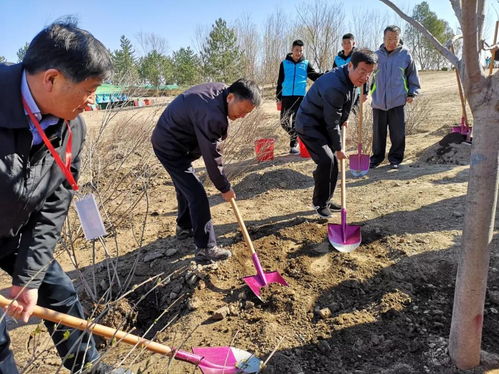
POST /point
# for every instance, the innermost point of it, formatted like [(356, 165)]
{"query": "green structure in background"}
[(112, 95)]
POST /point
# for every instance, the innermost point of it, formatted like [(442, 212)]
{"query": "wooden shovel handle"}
[(343, 169), (460, 89), (242, 226), (94, 328), (361, 114)]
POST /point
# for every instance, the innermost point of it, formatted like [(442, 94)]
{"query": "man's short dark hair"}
[(348, 36), (72, 51), (298, 43), (392, 28), (245, 89), (363, 55)]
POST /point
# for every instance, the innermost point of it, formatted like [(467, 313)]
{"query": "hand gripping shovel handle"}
[(107, 332)]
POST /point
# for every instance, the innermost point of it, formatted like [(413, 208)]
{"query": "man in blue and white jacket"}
[(291, 88), (395, 83)]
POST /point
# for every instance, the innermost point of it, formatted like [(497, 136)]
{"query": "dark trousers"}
[(394, 120), (326, 172), (193, 205), (290, 105), (58, 293)]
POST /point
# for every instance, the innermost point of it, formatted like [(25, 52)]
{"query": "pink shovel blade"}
[(226, 360), (343, 237), (255, 282), (261, 279), (359, 164)]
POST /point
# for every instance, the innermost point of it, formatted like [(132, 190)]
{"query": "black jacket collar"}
[(12, 114)]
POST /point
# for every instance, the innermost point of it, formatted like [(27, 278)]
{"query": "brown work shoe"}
[(210, 255)]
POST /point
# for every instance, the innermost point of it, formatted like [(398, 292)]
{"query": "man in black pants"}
[(395, 83), (324, 109), (193, 125), (56, 80), (291, 88)]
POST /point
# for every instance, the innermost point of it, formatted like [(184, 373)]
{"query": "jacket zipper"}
[(294, 79)]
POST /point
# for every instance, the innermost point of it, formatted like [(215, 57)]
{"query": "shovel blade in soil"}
[(463, 130), (255, 282), (345, 238), (359, 164), (227, 360), (358, 173)]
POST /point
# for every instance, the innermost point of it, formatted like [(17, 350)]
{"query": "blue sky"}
[(176, 21)]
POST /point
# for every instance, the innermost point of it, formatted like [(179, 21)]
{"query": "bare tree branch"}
[(480, 11), (438, 46), (456, 5)]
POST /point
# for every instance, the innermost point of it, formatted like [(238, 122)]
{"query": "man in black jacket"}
[(193, 125), (324, 109), (60, 72)]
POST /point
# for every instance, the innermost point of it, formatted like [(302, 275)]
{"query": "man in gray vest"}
[(395, 83)]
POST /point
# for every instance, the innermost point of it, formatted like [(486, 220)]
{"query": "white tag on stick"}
[(90, 218)]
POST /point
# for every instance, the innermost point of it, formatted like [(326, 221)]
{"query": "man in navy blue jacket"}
[(291, 88), (324, 109), (193, 125), (57, 79)]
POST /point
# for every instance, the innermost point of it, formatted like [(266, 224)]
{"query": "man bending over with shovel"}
[(193, 125), (324, 109)]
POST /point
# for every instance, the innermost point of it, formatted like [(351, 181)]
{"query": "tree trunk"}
[(481, 203)]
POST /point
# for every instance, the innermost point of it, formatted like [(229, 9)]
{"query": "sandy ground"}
[(384, 308)]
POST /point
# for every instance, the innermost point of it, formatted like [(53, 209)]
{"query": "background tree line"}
[(227, 51)]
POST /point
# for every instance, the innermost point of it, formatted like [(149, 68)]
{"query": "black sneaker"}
[(323, 211), (294, 150), (103, 368), (394, 166), (373, 165), (209, 255), (334, 207), (182, 233)]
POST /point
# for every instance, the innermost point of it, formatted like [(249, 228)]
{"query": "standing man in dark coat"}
[(56, 80), (193, 125), (291, 88), (324, 109)]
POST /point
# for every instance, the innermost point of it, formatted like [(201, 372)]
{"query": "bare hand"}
[(230, 194), (345, 124), (26, 299), (364, 98), (409, 99), (340, 155)]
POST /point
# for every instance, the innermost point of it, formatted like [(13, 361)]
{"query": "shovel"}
[(359, 163), (343, 237), (463, 128), (215, 360), (261, 279)]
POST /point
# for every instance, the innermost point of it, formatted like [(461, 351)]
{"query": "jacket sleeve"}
[(280, 79), (210, 132), (333, 102), (411, 72), (41, 233), (311, 73)]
